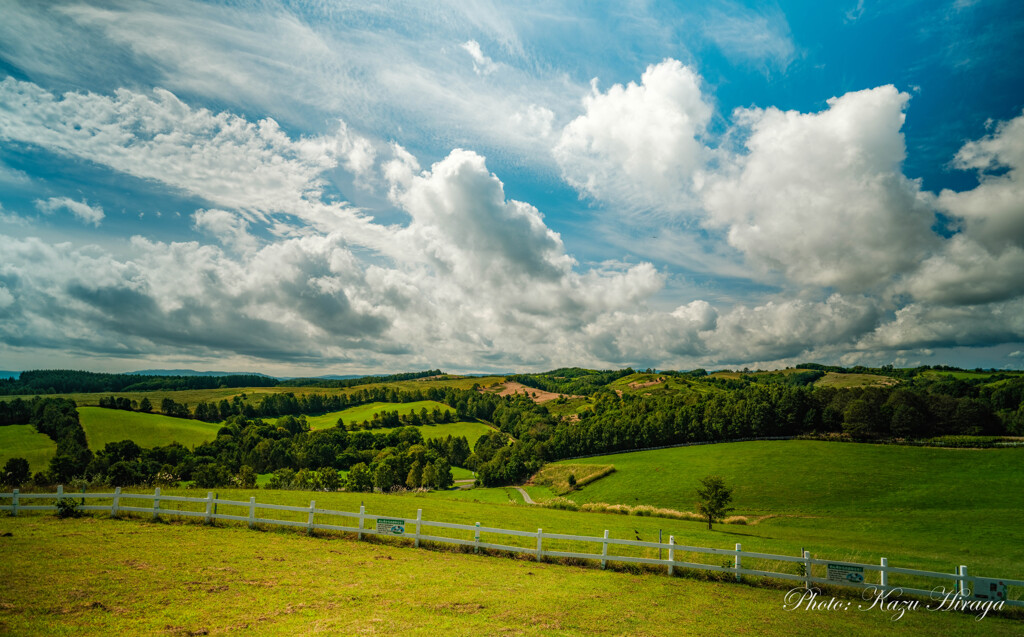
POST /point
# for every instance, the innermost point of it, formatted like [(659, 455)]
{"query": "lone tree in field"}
[(714, 498)]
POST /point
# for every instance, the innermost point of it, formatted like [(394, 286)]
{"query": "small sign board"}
[(846, 573), (390, 527), (985, 588)]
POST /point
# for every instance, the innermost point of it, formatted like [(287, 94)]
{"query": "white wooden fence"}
[(964, 585)]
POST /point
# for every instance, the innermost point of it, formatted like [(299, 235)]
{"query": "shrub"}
[(15, 472), (211, 475), (67, 508), (246, 478)]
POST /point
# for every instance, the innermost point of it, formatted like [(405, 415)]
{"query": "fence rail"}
[(967, 587)]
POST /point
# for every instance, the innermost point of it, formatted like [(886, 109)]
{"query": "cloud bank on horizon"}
[(350, 187)]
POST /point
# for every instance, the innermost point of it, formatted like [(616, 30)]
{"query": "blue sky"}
[(347, 187)]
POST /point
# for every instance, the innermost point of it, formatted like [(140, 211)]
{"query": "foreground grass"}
[(99, 576), (146, 430), (23, 441), (906, 543)]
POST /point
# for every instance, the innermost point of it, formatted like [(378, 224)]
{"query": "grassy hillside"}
[(23, 441), (471, 430), (105, 577), (804, 476), (832, 379), (947, 503), (147, 430), (365, 412)]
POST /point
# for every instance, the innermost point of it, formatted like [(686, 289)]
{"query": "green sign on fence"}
[(390, 527), (846, 573)]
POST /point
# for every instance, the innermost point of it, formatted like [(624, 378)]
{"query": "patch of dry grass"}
[(556, 476)]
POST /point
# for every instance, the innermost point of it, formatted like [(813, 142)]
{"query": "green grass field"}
[(147, 430), (471, 430), (935, 373), (939, 505), (23, 441), (100, 576), (365, 412)]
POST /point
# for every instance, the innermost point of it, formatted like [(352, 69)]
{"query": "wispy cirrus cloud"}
[(758, 36)]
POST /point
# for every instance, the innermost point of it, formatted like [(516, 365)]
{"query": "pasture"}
[(23, 441), (360, 413), (146, 430), (937, 504), (100, 576), (471, 430)]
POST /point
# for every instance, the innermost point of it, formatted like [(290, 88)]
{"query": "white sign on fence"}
[(390, 527), (845, 573)]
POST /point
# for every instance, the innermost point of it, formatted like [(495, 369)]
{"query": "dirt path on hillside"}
[(526, 496)]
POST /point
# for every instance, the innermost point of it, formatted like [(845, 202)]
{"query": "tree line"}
[(68, 381)]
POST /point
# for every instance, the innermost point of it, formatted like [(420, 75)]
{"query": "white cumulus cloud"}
[(821, 197), (639, 145), (81, 209)]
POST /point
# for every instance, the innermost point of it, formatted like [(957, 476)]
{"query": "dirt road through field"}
[(526, 496)]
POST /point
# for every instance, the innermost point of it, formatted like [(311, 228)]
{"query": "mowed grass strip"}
[(23, 441), (96, 576), (147, 430)]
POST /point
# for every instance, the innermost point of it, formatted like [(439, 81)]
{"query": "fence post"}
[(419, 517), (604, 551), (540, 552), (807, 570), (965, 591), (156, 504), (738, 562), (883, 575), (309, 523), (476, 538), (362, 513), (115, 506), (671, 555), (60, 492), (252, 512), (209, 507), (14, 504)]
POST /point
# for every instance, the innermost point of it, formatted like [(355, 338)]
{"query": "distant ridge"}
[(192, 372), (7, 374)]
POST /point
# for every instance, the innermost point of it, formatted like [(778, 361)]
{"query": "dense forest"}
[(270, 434)]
